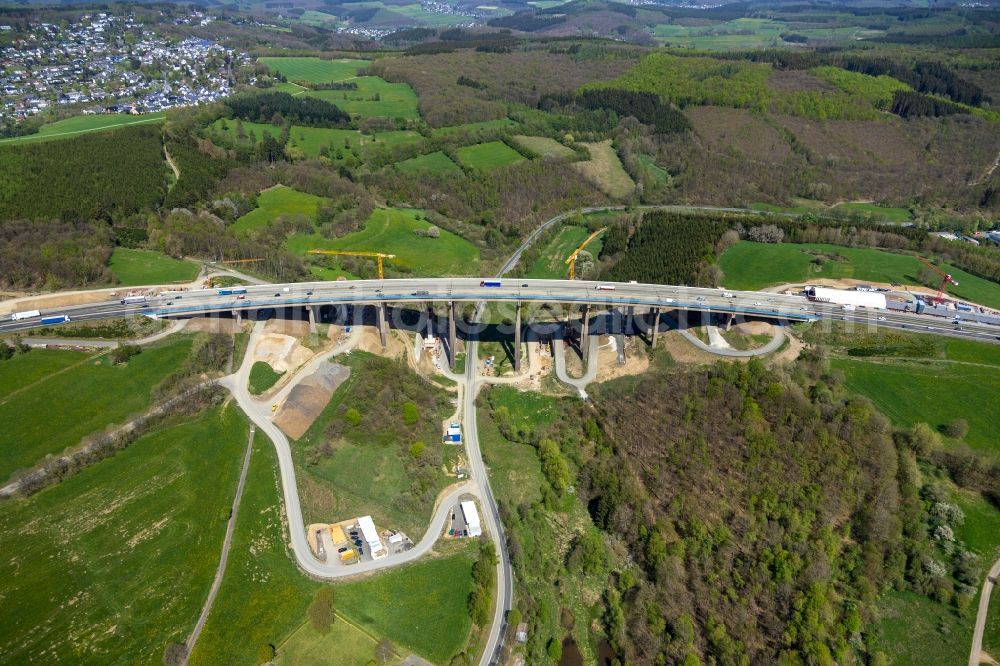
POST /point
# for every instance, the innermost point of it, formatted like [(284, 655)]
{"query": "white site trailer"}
[(471, 518), (863, 299), (370, 535)]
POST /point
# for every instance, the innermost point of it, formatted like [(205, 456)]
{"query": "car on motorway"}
[(241, 297), (309, 293), (758, 303), (881, 318), (525, 284), (277, 295), (422, 292), (700, 298)]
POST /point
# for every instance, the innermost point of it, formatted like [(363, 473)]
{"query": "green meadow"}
[(436, 163), (488, 156), (315, 70), (83, 124), (114, 563), (139, 267), (275, 202), (100, 393)]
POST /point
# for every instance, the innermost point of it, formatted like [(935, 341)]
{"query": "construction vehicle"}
[(946, 279), (378, 255), (572, 258)]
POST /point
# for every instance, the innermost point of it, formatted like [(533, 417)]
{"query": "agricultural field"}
[(156, 510), (391, 230), (436, 163), (135, 267), (345, 643), (501, 123), (263, 597), (488, 156), (374, 98), (84, 124), (875, 212), (748, 33), (102, 394), (309, 141), (315, 70), (551, 260), (276, 202), (749, 265), (605, 170), (422, 607), (909, 392), (544, 146)]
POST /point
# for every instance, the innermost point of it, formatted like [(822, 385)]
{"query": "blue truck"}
[(55, 319), (234, 291), (490, 283)]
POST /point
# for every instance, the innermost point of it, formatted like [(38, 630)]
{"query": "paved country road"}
[(984, 604)]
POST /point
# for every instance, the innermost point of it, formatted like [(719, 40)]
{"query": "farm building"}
[(865, 299), (471, 518), (371, 537)]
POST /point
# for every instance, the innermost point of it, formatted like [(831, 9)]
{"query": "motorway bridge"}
[(642, 305)]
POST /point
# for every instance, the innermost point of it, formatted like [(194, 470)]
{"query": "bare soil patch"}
[(306, 401), (297, 329), (282, 352)]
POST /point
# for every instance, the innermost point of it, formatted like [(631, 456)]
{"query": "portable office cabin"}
[(371, 537), (471, 516)]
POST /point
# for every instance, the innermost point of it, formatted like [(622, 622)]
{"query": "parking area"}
[(351, 541), (464, 520)]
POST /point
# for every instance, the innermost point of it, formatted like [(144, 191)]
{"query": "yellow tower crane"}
[(379, 255), (572, 258)]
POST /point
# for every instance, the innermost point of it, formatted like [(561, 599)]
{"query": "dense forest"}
[(54, 254), (667, 248), (277, 107), (92, 176), (781, 562)]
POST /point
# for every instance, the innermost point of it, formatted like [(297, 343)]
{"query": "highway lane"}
[(419, 290)]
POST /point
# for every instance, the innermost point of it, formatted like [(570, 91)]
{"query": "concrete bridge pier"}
[(585, 331), (380, 313), (313, 318), (451, 335), (238, 316), (729, 320), (629, 320), (517, 337), (656, 326)]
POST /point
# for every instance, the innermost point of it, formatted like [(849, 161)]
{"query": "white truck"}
[(27, 314), (848, 308)]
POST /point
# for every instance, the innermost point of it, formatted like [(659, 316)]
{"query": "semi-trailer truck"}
[(131, 300), (234, 291), (490, 283), (27, 314), (55, 319)]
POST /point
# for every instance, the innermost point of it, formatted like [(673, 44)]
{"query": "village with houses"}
[(107, 63)]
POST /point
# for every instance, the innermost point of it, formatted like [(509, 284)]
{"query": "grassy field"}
[(57, 409), (542, 145), (345, 644), (263, 598), (659, 175), (876, 212), (391, 230), (487, 156), (23, 370), (315, 70), (262, 377), (606, 170), (436, 163), (341, 143), (749, 265), (275, 202), (374, 97), (83, 124), (138, 267), (551, 261), (912, 391), (114, 563), (422, 607), (501, 123), (333, 486)]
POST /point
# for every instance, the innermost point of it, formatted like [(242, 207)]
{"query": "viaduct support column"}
[(629, 320), (656, 325), (729, 320), (380, 312), (313, 317), (238, 316), (585, 331), (451, 335), (517, 337)]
